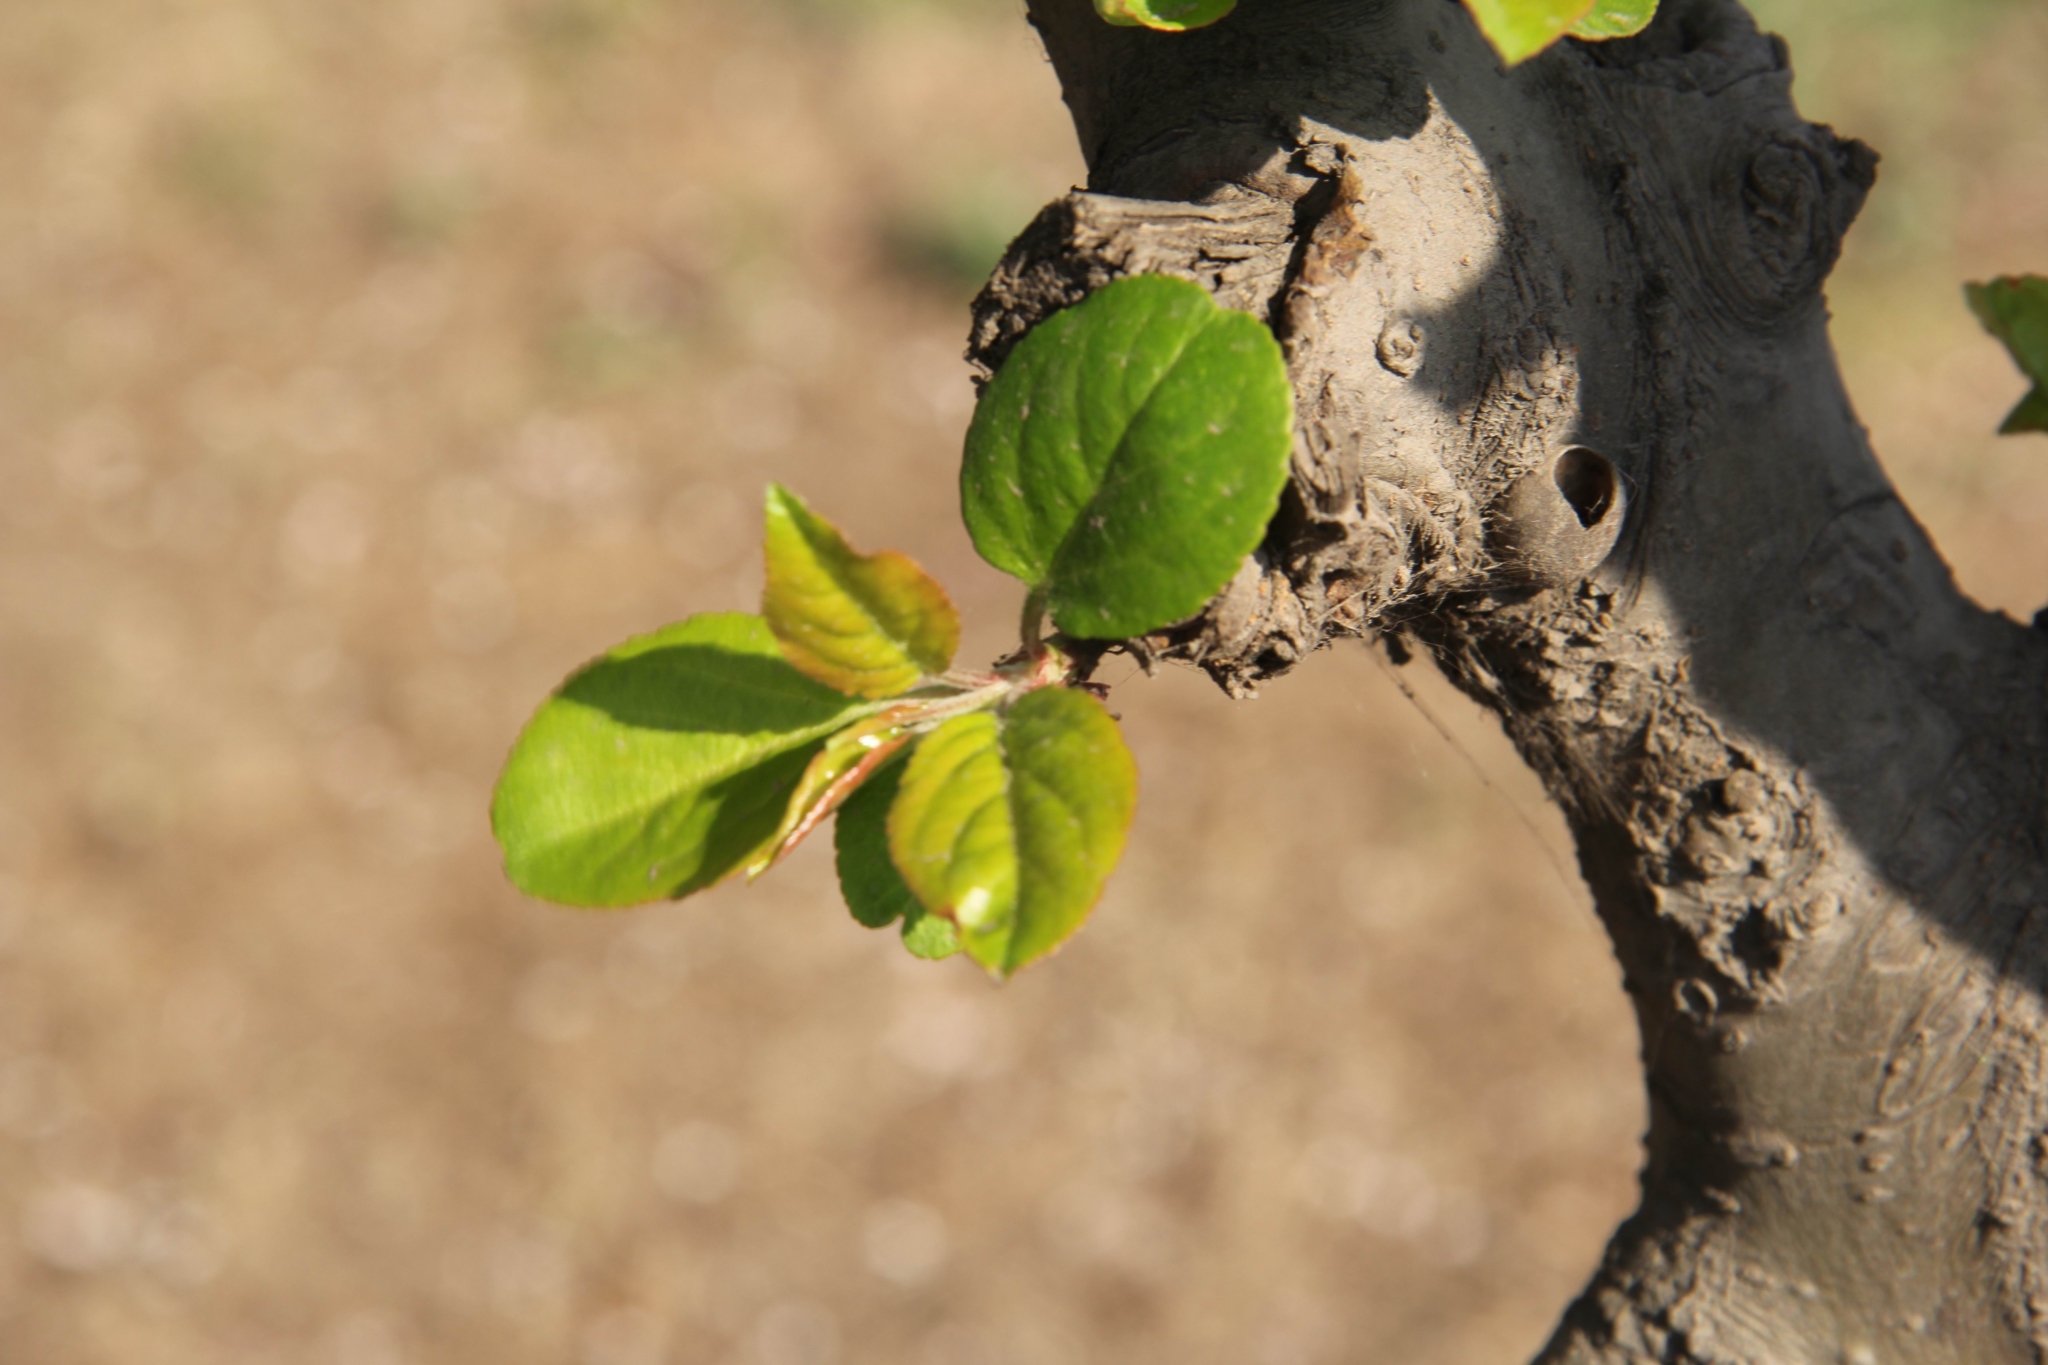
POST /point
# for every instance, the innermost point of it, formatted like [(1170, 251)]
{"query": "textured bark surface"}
[(1803, 771)]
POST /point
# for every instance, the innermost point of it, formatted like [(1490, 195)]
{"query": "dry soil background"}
[(364, 366)]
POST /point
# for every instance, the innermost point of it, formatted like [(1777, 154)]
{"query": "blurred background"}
[(367, 366)]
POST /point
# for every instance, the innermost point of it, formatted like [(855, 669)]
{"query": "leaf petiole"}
[(956, 680), (1031, 630), (931, 715)]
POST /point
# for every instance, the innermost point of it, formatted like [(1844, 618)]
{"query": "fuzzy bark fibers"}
[(1803, 771)]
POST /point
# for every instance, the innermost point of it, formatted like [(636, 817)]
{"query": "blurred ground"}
[(368, 365)]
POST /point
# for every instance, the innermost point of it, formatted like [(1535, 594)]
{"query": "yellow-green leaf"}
[(1519, 29), (868, 625), (1010, 823), (1171, 15), (929, 936), (1609, 19), (950, 831)]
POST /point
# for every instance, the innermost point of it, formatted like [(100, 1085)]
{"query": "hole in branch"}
[(1587, 481)]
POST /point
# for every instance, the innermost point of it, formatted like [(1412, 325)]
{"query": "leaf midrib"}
[(842, 575)]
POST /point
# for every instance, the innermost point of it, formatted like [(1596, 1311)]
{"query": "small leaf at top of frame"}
[(1009, 824), (1171, 15), (661, 767), (1519, 29), (868, 625), (1128, 455), (1609, 19), (2014, 308)]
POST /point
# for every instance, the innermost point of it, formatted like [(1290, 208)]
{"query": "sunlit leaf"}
[(868, 878), (1171, 15), (869, 625), (1129, 454), (1615, 19), (1009, 824), (2014, 308), (1519, 29), (661, 767), (950, 832)]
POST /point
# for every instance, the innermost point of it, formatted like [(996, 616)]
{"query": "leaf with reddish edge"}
[(868, 625), (848, 759)]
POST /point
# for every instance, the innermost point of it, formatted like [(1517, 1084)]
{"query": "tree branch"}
[(1528, 313)]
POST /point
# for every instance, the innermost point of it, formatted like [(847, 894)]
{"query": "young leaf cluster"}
[(1123, 462), (1518, 29), (2014, 308), (719, 744)]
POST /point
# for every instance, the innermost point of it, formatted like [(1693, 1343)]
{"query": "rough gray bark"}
[(1803, 771)]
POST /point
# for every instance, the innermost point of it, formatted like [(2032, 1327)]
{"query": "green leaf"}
[(928, 936), (1009, 824), (1171, 15), (661, 767), (873, 888), (1129, 454), (1519, 29), (1610, 19), (2014, 308), (868, 625), (2030, 415)]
